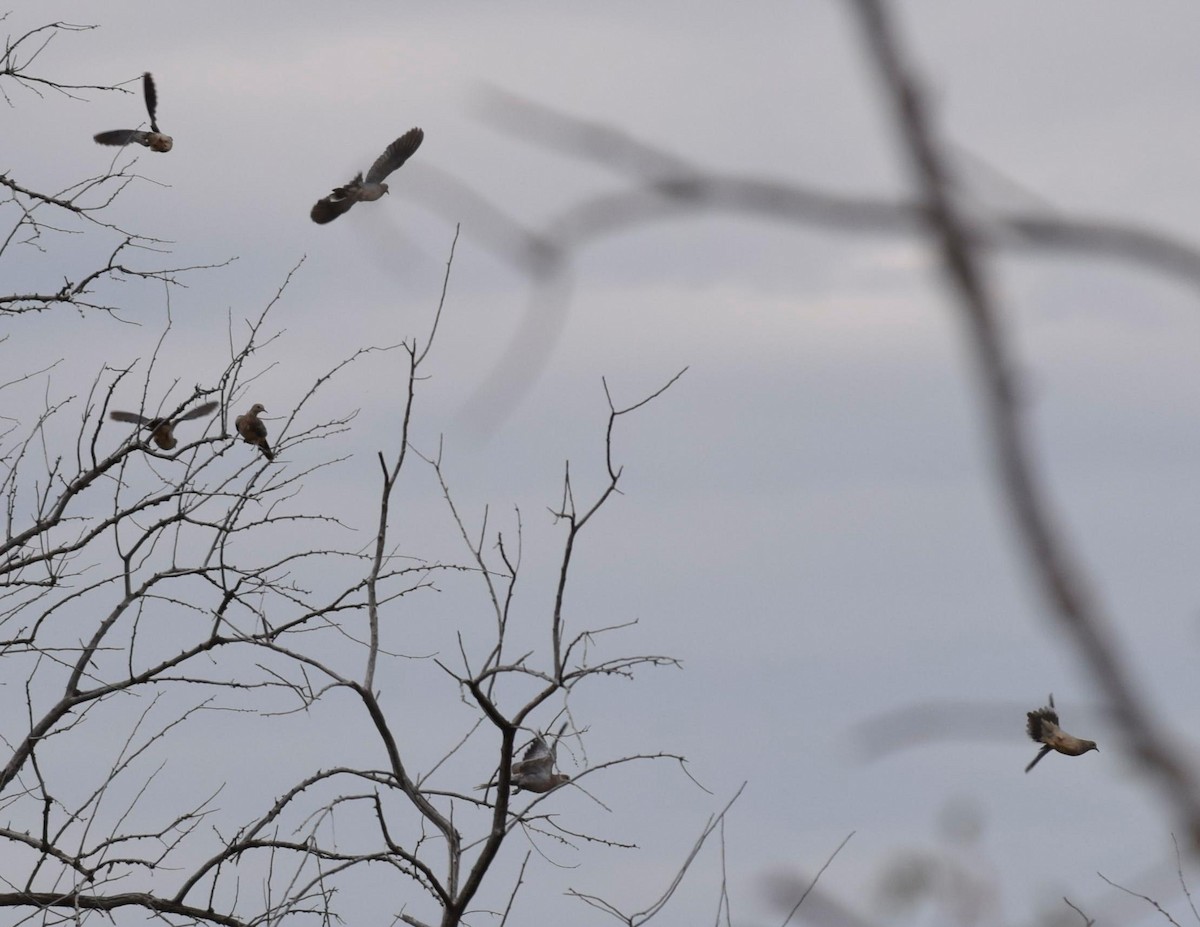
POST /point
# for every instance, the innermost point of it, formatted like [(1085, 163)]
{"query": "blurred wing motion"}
[(162, 430), (534, 772)]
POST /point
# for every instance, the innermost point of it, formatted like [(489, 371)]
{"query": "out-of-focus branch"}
[(1054, 565), (664, 186)]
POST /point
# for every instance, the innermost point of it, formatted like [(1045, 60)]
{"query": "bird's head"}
[(1090, 745), (160, 142), (257, 407), (384, 187)]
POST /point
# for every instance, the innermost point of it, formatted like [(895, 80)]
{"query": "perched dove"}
[(1043, 728), (534, 772), (154, 140), (162, 430), (253, 431), (342, 198)]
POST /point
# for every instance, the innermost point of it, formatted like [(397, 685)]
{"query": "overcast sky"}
[(809, 520)]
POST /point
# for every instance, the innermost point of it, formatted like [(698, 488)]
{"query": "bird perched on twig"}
[(1042, 726), (253, 431), (534, 772), (162, 430), (154, 140), (343, 198)]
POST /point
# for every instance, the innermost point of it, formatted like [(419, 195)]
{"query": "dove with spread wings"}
[(154, 139), (162, 430), (534, 772), (372, 188)]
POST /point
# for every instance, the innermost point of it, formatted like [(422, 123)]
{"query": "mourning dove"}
[(162, 430), (342, 198), (154, 140), (1043, 728), (534, 772), (253, 431)]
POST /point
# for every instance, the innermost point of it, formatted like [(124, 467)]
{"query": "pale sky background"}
[(809, 520)]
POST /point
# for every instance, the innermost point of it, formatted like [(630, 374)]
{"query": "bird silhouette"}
[(162, 430), (154, 140), (253, 431), (342, 199)]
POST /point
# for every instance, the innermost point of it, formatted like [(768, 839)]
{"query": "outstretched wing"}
[(151, 96), (118, 416), (199, 412), (119, 137), (330, 207), (1041, 724), (537, 761), (395, 154)]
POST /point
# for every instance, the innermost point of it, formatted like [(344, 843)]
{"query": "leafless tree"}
[(159, 604), (133, 577)]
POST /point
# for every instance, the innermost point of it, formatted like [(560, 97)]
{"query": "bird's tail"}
[(1037, 759)]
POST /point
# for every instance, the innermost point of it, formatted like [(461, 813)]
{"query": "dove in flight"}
[(162, 430), (534, 772), (1042, 726), (154, 140), (253, 431), (342, 198)]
